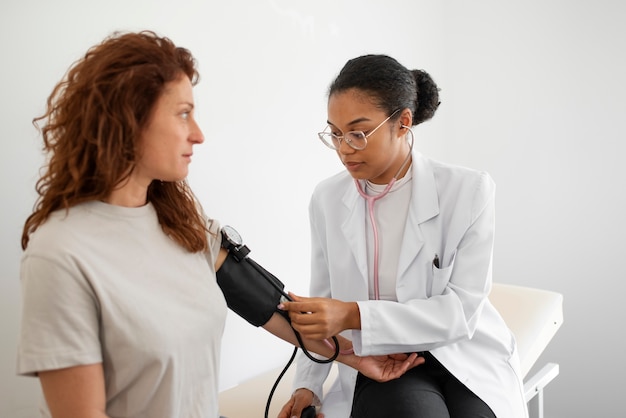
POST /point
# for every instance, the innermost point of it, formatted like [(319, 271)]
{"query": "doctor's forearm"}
[(279, 326), (379, 368), (353, 318)]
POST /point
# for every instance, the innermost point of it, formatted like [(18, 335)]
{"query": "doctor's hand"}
[(321, 318), (386, 367), (300, 399)]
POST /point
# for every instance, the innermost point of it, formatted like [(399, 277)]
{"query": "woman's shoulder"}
[(452, 169), (58, 235), (86, 224), (62, 222), (459, 186), (458, 176)]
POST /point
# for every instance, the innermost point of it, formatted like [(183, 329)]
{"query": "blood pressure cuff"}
[(248, 290)]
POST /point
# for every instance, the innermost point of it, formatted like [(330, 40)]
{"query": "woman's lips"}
[(352, 165)]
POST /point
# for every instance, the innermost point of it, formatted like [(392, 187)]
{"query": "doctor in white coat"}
[(401, 262)]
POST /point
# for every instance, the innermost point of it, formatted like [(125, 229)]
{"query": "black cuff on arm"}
[(248, 291)]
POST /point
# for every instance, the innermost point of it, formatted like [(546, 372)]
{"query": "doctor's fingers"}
[(316, 322), (312, 301), (286, 410), (302, 307), (300, 399), (410, 360), (312, 331)]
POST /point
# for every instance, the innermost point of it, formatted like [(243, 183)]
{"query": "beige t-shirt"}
[(104, 284)]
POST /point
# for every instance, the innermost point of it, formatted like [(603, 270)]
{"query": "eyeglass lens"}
[(356, 139)]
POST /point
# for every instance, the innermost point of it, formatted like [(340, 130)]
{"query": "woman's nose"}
[(196, 134), (345, 148)]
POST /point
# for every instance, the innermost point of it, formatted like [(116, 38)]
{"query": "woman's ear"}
[(406, 119)]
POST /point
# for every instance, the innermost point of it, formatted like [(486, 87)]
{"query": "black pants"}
[(426, 391)]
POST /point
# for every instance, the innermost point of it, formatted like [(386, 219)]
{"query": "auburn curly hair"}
[(91, 126)]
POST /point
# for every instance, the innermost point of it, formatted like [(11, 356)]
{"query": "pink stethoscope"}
[(370, 208)]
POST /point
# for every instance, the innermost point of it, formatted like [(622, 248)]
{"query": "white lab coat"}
[(442, 310)]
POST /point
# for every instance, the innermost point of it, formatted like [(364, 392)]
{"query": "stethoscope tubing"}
[(371, 200)]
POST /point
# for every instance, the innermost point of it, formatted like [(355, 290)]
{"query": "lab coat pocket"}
[(441, 277)]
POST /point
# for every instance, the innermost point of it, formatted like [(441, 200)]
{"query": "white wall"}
[(536, 95), (532, 91), (538, 100)]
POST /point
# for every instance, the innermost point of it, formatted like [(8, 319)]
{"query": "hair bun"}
[(427, 97)]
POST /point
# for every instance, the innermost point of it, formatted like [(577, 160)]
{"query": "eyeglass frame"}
[(339, 138)]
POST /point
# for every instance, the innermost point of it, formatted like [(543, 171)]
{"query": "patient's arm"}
[(75, 392), (380, 368)]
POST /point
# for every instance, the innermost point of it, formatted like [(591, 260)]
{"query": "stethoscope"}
[(371, 200)]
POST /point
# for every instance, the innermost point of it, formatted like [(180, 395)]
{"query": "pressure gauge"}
[(231, 240)]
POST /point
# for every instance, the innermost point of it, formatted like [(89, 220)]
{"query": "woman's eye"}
[(357, 135), (185, 115)]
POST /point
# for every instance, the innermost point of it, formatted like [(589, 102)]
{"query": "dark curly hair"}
[(391, 85), (92, 123)]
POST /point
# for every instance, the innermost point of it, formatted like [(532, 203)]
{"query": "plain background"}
[(532, 91)]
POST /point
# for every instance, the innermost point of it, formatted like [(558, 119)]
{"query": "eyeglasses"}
[(355, 139)]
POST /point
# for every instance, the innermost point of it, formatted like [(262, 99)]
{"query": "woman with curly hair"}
[(118, 314), (122, 314)]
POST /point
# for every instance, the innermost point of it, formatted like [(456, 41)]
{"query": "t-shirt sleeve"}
[(215, 240), (60, 325)]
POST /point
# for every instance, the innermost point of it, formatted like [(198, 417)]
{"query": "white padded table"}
[(534, 316)]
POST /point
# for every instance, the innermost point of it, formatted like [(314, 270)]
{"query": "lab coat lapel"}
[(424, 206), (353, 229)]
